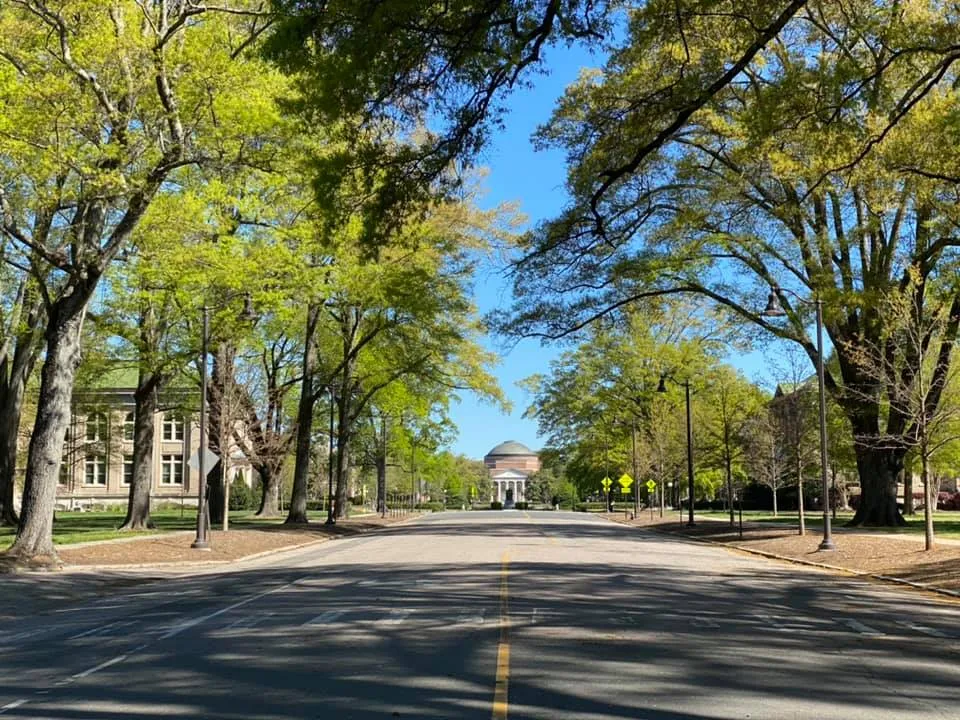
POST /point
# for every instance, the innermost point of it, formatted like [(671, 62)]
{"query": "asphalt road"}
[(491, 615)]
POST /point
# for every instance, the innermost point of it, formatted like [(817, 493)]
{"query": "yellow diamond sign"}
[(606, 482), (651, 485), (625, 482)]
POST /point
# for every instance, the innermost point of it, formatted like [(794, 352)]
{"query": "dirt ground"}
[(899, 556), (232, 545)]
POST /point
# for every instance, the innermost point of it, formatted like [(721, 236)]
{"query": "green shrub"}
[(522, 505), (241, 496), (496, 505), (434, 506)]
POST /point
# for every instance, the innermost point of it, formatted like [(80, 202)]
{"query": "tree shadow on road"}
[(627, 636)]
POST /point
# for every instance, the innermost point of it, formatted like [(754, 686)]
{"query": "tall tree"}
[(732, 402), (21, 320), (766, 186), (100, 112)]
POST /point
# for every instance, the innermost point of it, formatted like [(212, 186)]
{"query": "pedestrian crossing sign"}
[(651, 485), (625, 482), (606, 482)]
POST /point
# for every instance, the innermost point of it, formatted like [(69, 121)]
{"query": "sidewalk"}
[(891, 557)]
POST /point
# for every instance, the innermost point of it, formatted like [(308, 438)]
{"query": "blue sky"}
[(535, 180)]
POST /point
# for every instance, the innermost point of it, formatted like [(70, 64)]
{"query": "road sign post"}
[(625, 482), (651, 487), (606, 483)]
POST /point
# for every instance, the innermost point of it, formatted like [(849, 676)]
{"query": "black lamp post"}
[(775, 309), (331, 518), (202, 540), (662, 388)]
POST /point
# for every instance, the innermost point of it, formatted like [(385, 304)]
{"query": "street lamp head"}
[(662, 387), (248, 313), (773, 308)]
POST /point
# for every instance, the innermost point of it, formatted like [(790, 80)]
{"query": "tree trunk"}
[(15, 371), (729, 488), (927, 513), (34, 541), (381, 484), (301, 468), (878, 469), (268, 500), (144, 420), (11, 400), (216, 493), (803, 521), (343, 471), (908, 507), (775, 498)]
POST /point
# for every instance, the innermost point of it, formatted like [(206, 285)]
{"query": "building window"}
[(64, 475), (172, 470), (128, 426), (172, 427), (127, 469), (95, 470), (96, 427)]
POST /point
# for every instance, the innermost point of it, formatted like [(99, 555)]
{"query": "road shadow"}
[(605, 639)]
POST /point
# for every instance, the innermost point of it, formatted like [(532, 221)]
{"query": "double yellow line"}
[(502, 687)]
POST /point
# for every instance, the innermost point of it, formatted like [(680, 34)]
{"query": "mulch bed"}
[(898, 556), (224, 546)]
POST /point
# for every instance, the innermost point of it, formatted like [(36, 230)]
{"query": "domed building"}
[(510, 464)]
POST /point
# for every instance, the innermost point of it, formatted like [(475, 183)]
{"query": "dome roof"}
[(511, 447)]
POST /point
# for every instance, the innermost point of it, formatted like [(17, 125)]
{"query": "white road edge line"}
[(923, 629), (101, 666), (95, 630), (325, 618), (197, 621), (14, 705), (861, 628)]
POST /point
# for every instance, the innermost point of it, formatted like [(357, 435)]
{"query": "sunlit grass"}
[(75, 527)]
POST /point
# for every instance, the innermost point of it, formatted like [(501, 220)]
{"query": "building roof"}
[(511, 447), (510, 474), (785, 388)]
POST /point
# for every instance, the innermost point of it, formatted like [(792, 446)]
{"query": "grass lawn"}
[(75, 527), (946, 524)]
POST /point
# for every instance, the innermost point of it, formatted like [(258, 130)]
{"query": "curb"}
[(954, 594)]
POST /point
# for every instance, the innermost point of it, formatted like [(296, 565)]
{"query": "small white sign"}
[(210, 459)]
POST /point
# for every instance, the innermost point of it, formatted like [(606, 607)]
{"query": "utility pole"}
[(636, 478), (382, 492), (413, 474)]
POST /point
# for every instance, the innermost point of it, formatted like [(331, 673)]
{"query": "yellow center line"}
[(550, 538), (501, 689)]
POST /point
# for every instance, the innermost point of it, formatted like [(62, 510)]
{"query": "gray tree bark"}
[(15, 370), (301, 470), (34, 541), (908, 504), (878, 469), (144, 420), (802, 528), (268, 498)]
